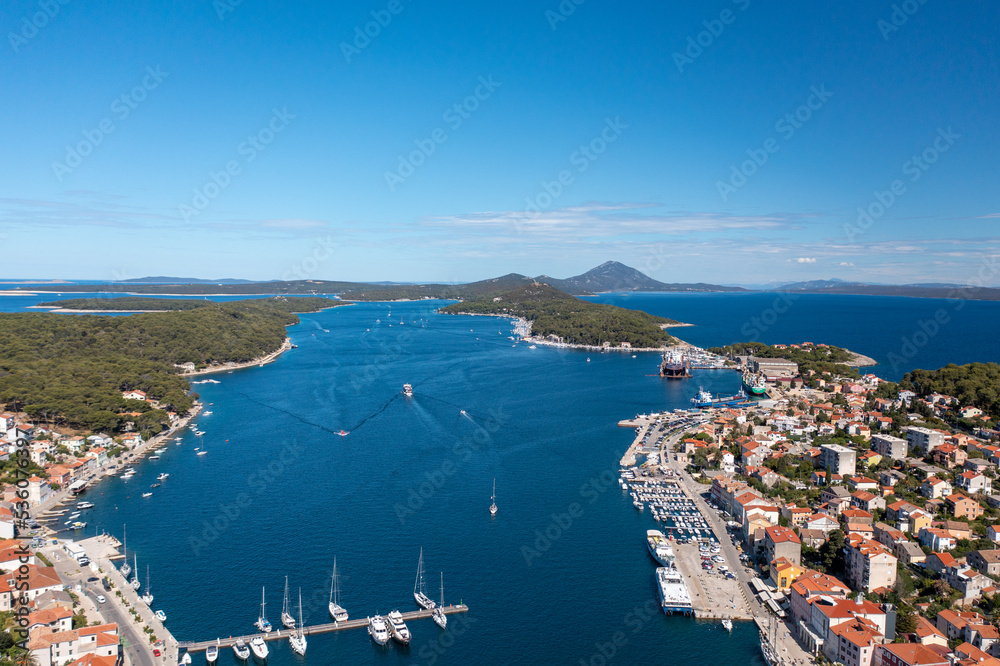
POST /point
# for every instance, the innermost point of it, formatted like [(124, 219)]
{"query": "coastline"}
[(860, 360), (259, 361)]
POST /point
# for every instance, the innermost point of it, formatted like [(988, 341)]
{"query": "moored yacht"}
[(336, 611), (440, 619), (262, 622), (419, 592), (286, 618), (297, 639), (259, 647), (378, 630), (400, 632), (212, 653), (241, 650)]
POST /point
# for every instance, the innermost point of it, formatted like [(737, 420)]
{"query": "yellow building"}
[(784, 573)]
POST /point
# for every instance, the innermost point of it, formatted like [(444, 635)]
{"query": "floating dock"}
[(199, 646)]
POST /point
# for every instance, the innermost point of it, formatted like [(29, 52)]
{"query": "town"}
[(864, 515)]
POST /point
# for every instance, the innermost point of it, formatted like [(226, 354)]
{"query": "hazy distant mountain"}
[(616, 276), (181, 280), (816, 284), (920, 290)]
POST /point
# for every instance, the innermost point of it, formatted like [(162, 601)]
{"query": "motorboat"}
[(241, 650), (161, 616), (378, 630), (212, 653), (259, 647), (400, 632)]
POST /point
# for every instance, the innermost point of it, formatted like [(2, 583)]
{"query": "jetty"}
[(199, 646)]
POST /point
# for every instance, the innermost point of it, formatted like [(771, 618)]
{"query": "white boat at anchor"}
[(162, 476)]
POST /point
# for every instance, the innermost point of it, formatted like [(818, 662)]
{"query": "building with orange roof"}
[(926, 633), (38, 579), (909, 654), (784, 573), (963, 507), (782, 542), (870, 565), (54, 648), (856, 641)]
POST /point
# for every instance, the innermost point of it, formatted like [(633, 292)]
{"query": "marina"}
[(200, 646)]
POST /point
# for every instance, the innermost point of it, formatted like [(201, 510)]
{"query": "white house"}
[(134, 395)]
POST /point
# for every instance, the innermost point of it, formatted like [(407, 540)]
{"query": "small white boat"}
[(440, 619), (85, 505), (262, 622), (147, 494), (419, 592), (241, 650), (378, 630), (162, 476), (286, 618), (336, 611), (400, 632), (154, 457), (493, 506), (148, 596), (727, 624), (135, 573), (259, 647), (161, 616), (212, 653), (298, 639), (201, 453)]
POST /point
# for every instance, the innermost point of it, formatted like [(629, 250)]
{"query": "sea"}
[(560, 575)]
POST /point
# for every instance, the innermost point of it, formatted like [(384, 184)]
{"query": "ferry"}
[(704, 399), (659, 548), (674, 595)]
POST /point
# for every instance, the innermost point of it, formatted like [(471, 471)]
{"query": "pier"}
[(200, 646)]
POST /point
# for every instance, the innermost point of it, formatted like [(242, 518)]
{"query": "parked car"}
[(101, 599)]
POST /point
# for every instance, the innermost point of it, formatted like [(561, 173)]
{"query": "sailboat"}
[(286, 618), (298, 639), (419, 593), (336, 611), (440, 619), (126, 568), (262, 622), (493, 506), (147, 597), (135, 573)]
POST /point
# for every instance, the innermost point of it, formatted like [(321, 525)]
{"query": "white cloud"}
[(806, 260)]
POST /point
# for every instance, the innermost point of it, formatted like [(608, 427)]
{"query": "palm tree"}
[(25, 658)]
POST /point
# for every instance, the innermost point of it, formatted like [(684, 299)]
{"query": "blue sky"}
[(725, 141)]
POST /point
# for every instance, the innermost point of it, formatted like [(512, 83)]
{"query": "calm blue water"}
[(899, 333), (280, 493)]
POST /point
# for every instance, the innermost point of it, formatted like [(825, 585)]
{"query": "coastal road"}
[(789, 650), (132, 637)]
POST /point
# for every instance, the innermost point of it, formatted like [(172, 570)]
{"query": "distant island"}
[(609, 276), (572, 321)]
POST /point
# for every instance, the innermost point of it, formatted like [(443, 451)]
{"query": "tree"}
[(832, 552)]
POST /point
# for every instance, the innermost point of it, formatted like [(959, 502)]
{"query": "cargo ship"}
[(674, 365), (754, 384), (704, 399)]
